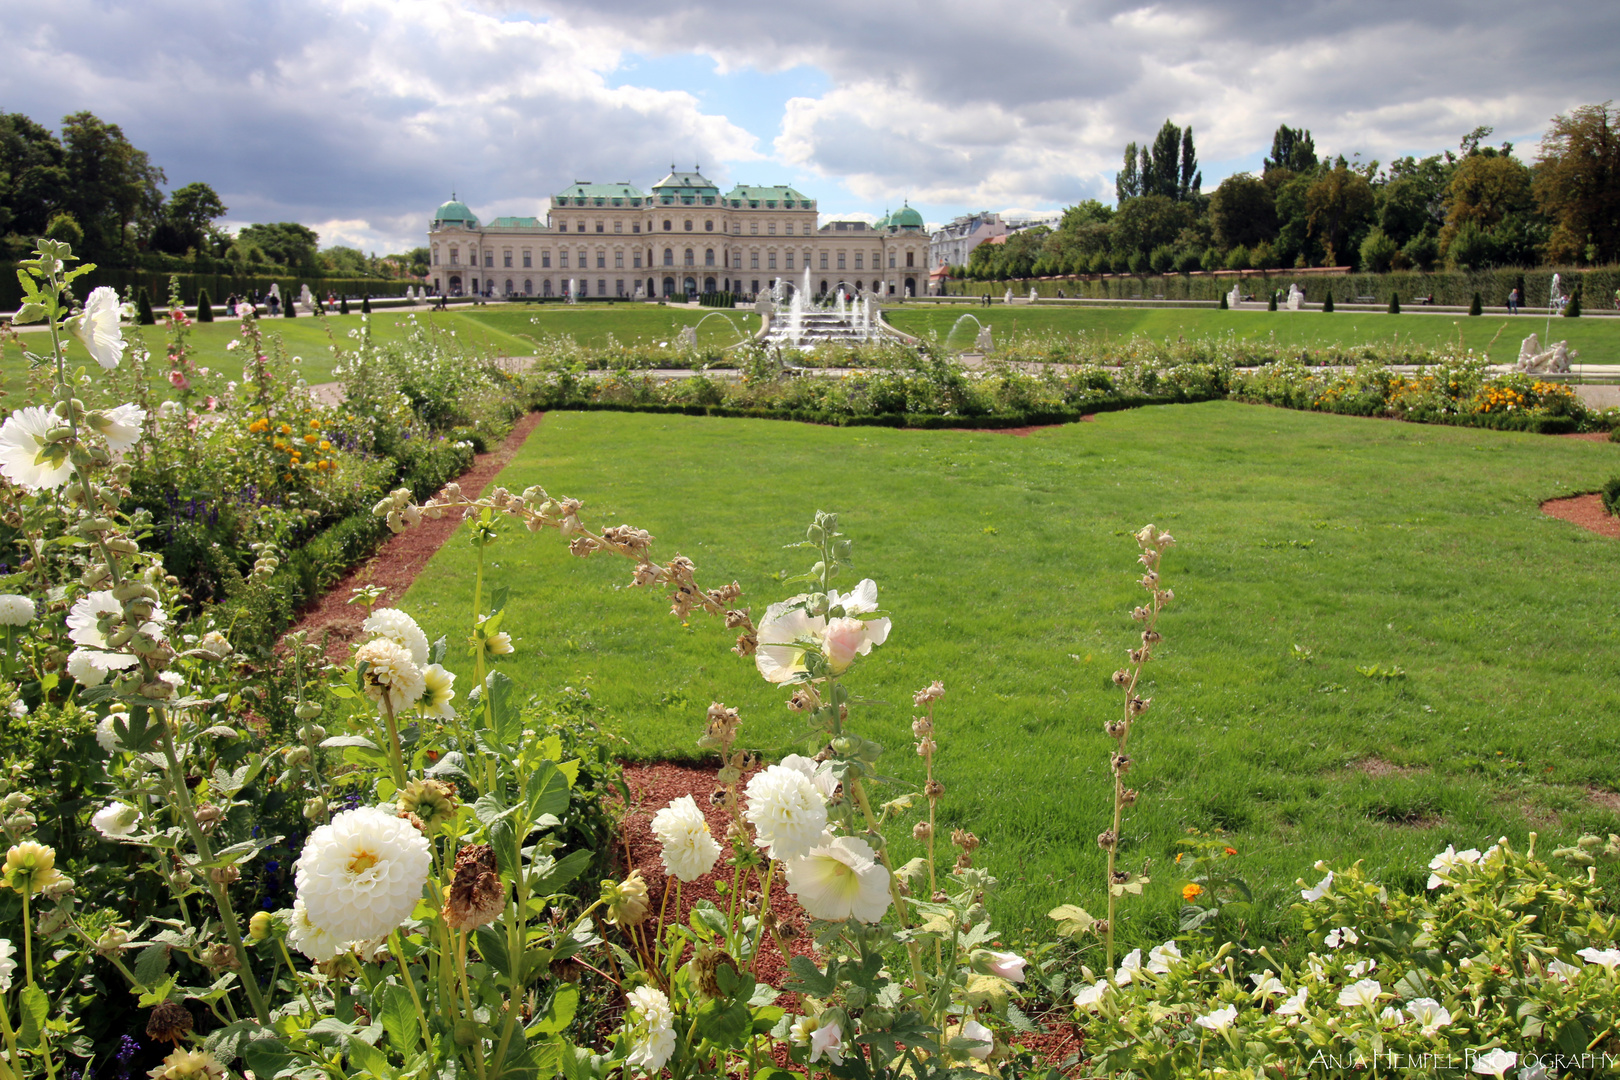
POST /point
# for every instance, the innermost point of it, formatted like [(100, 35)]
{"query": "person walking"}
[(1513, 301)]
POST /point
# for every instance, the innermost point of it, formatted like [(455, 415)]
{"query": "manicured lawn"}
[(1597, 339), (1311, 545), (594, 324)]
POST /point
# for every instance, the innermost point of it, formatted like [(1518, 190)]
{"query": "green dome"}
[(455, 211), (905, 218)]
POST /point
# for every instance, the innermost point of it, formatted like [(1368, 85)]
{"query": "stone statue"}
[(306, 299), (1008, 297), (641, 291), (1032, 294), (1296, 297), (687, 337), (1533, 360), (1235, 297), (763, 306), (983, 342)]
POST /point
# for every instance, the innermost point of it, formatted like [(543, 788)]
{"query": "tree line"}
[(92, 187), (1471, 208)]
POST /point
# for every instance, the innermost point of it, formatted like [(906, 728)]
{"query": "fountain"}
[(573, 291), (687, 338), (741, 336), (799, 322), (1534, 360), (982, 342)]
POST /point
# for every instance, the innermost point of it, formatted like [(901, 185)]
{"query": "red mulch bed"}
[(401, 558), (1586, 511), (1587, 436)]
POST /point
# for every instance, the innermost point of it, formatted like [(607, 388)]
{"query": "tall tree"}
[(285, 242), (1292, 149), (32, 181), (1486, 188), (1128, 182), (188, 218), (1191, 177), (1577, 184), (1242, 211), (112, 187), (1336, 206)]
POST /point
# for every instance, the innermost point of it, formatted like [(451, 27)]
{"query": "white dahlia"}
[(390, 671), (308, 938), (22, 442), (121, 427), (106, 733), (822, 779), (97, 326), (439, 689), (838, 879), (786, 811), (689, 849), (16, 610), (360, 876), (115, 821), (8, 963), (399, 627), (651, 1029)]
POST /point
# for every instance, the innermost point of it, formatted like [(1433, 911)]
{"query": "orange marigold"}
[(1191, 891)]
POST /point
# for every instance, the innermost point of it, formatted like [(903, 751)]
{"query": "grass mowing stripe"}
[(1007, 566)]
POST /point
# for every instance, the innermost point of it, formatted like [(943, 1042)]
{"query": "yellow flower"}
[(30, 867), (1191, 891)]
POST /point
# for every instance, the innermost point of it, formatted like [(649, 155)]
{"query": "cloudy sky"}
[(358, 117)]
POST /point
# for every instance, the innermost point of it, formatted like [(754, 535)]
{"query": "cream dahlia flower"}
[(8, 963), (651, 1029), (838, 879), (121, 427), (188, 1065), (438, 691), (115, 821), (22, 442), (786, 811), (360, 876), (400, 628), (97, 326), (689, 851), (821, 779), (308, 938), (500, 644), (390, 673), (16, 610)]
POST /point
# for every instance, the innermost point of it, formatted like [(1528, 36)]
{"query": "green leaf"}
[(563, 871), (504, 839), (559, 1011), (399, 1018), (31, 1022), (440, 647), (364, 1056), (724, 1024), (508, 717), (546, 791), (350, 740), (267, 1057), (150, 964), (809, 979), (490, 809), (539, 1062), (1072, 920), (492, 947)]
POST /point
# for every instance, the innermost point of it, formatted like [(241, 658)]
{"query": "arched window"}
[(546, 288), (708, 226), (688, 224), (708, 259), (508, 286), (528, 286), (689, 258), (668, 225), (669, 256)]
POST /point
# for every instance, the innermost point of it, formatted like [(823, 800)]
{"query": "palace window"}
[(824, 260), (790, 228), (840, 260), (618, 260), (562, 226), (688, 224), (771, 228), (708, 226), (736, 228), (599, 227), (891, 260), (635, 259), (737, 262), (753, 228), (562, 259), (708, 257), (689, 261), (859, 259), (618, 226), (545, 260), (669, 256), (508, 257), (909, 256), (753, 260), (579, 226), (528, 260), (668, 225), (601, 260), (770, 260), (789, 260)]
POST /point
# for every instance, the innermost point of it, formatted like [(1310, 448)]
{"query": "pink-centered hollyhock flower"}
[(179, 381)]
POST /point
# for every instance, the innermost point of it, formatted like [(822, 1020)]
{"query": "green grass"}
[(1007, 565), (1597, 340), (501, 331)]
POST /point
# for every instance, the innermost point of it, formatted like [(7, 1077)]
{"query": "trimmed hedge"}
[(1611, 495)]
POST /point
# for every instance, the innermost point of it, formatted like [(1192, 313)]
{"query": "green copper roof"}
[(775, 197), (685, 183), (516, 223), (905, 218), (585, 193), (454, 210)]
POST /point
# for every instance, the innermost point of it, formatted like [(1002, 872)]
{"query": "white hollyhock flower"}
[(308, 938), (1494, 1062), (1295, 1005), (1219, 1020), (1344, 935), (845, 639), (400, 628), (1563, 972), (838, 879), (788, 631), (823, 779), (1608, 958), (1449, 861), (361, 874), (652, 1029), (22, 441), (106, 734), (1159, 959), (786, 811), (97, 326), (782, 637), (216, 643), (861, 600), (8, 963), (1319, 890), (438, 691), (83, 620), (390, 673), (827, 1040), (121, 427), (1090, 997), (689, 851), (16, 610), (1363, 994), (19, 708), (89, 667), (1430, 1015), (972, 1029), (115, 820), (1006, 965), (1128, 967)]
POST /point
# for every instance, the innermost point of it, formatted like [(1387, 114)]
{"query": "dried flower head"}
[(170, 1022), (477, 896)]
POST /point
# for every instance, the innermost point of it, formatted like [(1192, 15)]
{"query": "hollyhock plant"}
[(27, 458), (97, 326), (840, 879)]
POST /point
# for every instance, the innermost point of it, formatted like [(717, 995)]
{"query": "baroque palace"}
[(682, 238)]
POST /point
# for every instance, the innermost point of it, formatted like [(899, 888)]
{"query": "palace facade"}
[(684, 237)]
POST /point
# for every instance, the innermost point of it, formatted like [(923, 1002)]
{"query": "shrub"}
[(1611, 490), (1572, 310), (365, 305), (1477, 307), (143, 309), (1271, 305), (205, 311), (1224, 305), (1327, 301), (1378, 251), (1394, 303), (1238, 258), (289, 307), (343, 305)]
